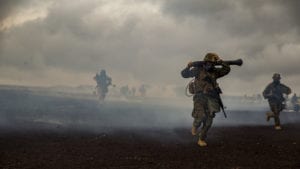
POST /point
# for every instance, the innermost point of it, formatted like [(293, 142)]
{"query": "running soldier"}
[(103, 81), (206, 92), (274, 93)]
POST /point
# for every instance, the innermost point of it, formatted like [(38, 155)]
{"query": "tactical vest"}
[(205, 82), (276, 91)]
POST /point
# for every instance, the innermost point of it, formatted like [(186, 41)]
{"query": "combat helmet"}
[(276, 76), (211, 57), (102, 72)]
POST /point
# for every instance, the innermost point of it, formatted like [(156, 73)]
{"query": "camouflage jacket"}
[(205, 82), (274, 92)]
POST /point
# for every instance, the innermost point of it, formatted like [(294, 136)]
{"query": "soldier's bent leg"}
[(206, 126), (276, 107), (198, 114), (276, 119), (197, 123), (212, 107), (269, 115)]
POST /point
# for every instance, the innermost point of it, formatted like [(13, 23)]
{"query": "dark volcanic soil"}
[(229, 147)]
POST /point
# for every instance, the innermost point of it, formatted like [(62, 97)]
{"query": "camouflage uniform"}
[(274, 93), (206, 98)]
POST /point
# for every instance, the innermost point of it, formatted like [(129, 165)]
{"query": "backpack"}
[(190, 89)]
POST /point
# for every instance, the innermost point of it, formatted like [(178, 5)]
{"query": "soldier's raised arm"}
[(285, 89), (189, 71)]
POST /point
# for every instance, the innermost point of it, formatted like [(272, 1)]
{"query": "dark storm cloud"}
[(7, 7), (259, 26), (151, 41), (240, 17), (260, 21), (71, 38), (75, 38), (63, 39)]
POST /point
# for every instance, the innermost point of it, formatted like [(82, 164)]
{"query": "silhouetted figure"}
[(295, 102), (103, 81), (124, 90), (143, 90), (259, 98), (274, 93), (133, 91)]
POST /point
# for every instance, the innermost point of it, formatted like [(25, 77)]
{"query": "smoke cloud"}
[(147, 42)]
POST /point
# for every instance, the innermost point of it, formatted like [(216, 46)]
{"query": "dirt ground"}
[(229, 147)]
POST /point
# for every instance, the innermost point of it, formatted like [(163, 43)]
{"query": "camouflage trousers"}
[(276, 108), (203, 113)]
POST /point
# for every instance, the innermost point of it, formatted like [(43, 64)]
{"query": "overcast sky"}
[(65, 42)]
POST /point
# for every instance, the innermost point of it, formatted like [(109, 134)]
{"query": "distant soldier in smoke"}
[(124, 90), (143, 90), (274, 93), (133, 91), (259, 98), (295, 102), (206, 91), (103, 82)]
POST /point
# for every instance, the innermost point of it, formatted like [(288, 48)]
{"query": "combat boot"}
[(278, 128), (194, 131), (202, 143)]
